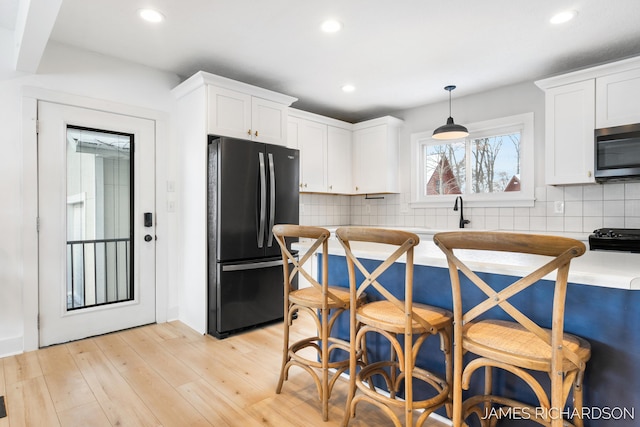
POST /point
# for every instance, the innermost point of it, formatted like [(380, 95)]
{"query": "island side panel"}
[(608, 318)]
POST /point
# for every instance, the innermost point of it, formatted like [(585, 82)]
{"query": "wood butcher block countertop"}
[(610, 269)]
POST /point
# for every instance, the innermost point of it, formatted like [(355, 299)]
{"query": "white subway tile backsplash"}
[(632, 208), (555, 224), (613, 222), (537, 223), (613, 191), (632, 190), (586, 208), (633, 222), (573, 193), (593, 192), (591, 223), (613, 208), (573, 208), (555, 193), (573, 224), (593, 208)]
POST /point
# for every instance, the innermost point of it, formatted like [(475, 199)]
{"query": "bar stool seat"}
[(385, 315), (312, 297), (505, 340)]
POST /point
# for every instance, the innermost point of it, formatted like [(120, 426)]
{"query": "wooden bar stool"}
[(322, 302), (520, 345), (401, 322)]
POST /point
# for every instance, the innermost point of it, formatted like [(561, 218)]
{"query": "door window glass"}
[(99, 217)]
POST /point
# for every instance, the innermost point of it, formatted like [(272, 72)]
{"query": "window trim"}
[(524, 198)]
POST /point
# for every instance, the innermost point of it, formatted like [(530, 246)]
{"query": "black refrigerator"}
[(251, 187)]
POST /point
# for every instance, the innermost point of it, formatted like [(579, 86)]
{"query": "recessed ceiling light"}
[(562, 17), (331, 26), (348, 88), (151, 15)]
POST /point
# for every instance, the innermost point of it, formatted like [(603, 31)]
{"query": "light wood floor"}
[(167, 375)]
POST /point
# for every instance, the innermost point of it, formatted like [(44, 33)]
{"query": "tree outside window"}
[(494, 165)]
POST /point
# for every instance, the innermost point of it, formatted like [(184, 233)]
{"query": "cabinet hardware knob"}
[(305, 185), (331, 187), (249, 132), (357, 188), (589, 174), (256, 133), (300, 185)]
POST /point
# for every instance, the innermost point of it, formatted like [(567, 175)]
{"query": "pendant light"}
[(450, 130)]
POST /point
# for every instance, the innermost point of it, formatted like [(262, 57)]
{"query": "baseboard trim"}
[(11, 346)]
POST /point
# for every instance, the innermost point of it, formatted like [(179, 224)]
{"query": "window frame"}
[(523, 198)]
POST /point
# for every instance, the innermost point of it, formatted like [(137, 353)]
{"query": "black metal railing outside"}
[(98, 272)]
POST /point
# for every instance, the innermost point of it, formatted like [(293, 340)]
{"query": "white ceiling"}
[(398, 53)]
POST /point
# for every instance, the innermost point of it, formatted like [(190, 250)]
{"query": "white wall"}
[(93, 77)]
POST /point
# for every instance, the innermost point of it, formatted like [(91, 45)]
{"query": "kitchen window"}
[(493, 166)]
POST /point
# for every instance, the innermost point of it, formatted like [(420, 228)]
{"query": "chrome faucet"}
[(455, 208)]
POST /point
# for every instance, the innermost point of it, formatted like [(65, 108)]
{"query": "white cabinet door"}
[(239, 115), (618, 99), (268, 121), (375, 154), (569, 141), (312, 143), (229, 113), (339, 167)]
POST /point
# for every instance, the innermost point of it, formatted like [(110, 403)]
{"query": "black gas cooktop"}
[(615, 239)]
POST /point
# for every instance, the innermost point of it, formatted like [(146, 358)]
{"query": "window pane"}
[(98, 217), (495, 163), (444, 168)]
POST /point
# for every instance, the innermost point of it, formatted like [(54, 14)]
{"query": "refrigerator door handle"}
[(252, 265), (272, 198), (263, 200)]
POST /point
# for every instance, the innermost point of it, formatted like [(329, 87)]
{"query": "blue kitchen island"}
[(603, 306)]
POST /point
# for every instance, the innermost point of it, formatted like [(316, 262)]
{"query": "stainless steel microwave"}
[(617, 153)]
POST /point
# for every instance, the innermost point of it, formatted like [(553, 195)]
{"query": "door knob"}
[(148, 238)]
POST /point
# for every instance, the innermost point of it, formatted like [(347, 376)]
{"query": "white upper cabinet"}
[(618, 99), (569, 145), (311, 140), (325, 152), (229, 113), (375, 156), (240, 110), (576, 104), (240, 115), (339, 164)]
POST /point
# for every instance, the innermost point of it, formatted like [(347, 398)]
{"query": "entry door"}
[(96, 202)]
